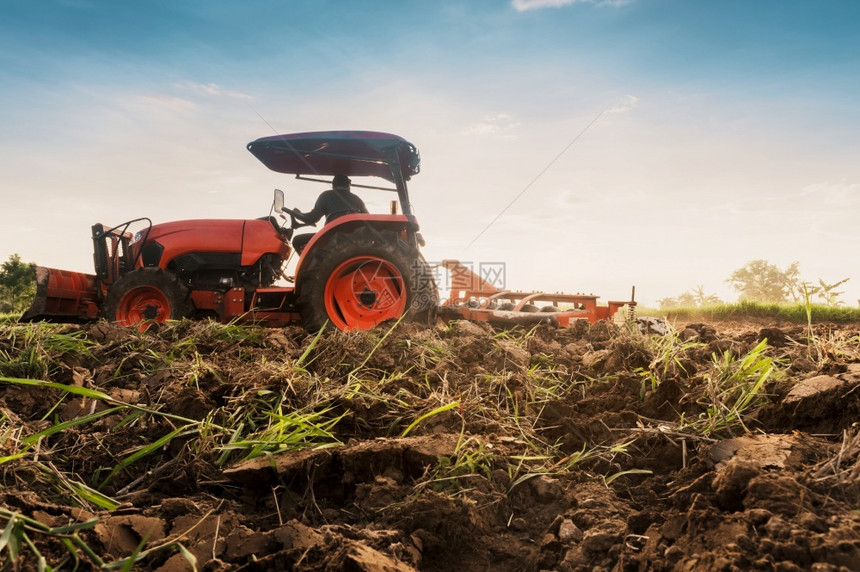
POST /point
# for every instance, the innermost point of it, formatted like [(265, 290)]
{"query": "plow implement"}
[(62, 295), (471, 297)]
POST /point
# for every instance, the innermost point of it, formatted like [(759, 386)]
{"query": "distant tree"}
[(17, 284), (693, 298), (701, 299), (761, 281), (826, 292)]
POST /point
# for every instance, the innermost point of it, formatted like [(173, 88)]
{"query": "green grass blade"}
[(41, 562), (608, 480), (300, 363), (128, 563), (101, 396), (87, 525), (8, 458), (436, 411), (145, 451), (9, 539), (71, 423), (94, 497), (192, 560), (75, 389), (379, 343)]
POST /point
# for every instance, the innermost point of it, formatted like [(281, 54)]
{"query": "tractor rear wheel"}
[(362, 278), (146, 295)]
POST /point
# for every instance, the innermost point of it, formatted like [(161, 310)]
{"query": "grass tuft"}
[(792, 313), (734, 387)]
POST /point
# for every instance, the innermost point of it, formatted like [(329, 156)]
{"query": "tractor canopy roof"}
[(358, 153)]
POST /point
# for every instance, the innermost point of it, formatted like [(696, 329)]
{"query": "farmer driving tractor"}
[(334, 203)]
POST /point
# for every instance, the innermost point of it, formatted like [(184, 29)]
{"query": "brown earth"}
[(557, 452)]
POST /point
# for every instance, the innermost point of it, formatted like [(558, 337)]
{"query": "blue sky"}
[(725, 132)]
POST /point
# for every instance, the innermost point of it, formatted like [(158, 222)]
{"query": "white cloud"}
[(500, 125), (211, 90), (567, 199), (819, 202), (627, 103), (831, 194), (524, 5), (170, 102)]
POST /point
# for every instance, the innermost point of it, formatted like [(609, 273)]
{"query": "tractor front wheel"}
[(146, 295), (362, 278)]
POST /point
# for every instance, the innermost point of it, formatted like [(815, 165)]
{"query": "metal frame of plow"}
[(473, 298)]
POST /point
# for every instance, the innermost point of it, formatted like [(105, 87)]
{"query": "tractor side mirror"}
[(278, 205)]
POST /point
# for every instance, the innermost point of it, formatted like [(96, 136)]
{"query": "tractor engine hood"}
[(249, 239)]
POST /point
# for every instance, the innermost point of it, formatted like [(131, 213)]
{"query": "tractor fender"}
[(397, 223)]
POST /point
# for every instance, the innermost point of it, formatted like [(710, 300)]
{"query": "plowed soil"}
[(455, 447)]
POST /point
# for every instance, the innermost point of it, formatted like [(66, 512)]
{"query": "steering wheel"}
[(295, 222)]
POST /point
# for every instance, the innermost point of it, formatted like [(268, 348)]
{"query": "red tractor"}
[(357, 271)]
